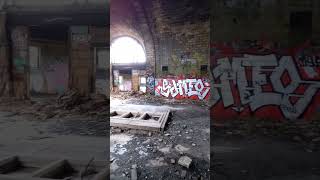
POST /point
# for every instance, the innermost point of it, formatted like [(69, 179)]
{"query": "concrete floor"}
[(188, 128), (262, 158), (22, 135)]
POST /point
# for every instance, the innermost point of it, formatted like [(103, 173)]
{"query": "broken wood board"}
[(150, 121)]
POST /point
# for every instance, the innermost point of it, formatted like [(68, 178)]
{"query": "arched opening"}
[(128, 61), (126, 50)]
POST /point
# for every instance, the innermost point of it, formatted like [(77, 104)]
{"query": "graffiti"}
[(19, 64), (309, 61), (276, 84), (150, 83), (51, 77), (185, 59), (183, 88)]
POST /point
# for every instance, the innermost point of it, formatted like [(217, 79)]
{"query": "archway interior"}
[(126, 50)]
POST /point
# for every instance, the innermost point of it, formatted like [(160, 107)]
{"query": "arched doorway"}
[(128, 58)]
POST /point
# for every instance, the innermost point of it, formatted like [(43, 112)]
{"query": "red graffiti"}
[(263, 81)]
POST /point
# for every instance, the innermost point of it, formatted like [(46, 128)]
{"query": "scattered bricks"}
[(185, 161)]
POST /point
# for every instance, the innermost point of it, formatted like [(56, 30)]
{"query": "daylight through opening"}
[(126, 50)]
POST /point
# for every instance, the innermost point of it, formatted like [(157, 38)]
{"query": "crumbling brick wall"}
[(128, 18), (181, 30)]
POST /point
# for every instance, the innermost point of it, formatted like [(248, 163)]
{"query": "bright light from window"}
[(126, 50)]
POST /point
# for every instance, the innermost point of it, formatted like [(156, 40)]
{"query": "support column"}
[(81, 60), (4, 59), (20, 61)]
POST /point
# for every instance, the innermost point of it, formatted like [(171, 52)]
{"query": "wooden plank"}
[(9, 164), (51, 170)]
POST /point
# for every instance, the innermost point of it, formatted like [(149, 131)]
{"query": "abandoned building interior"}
[(265, 75), (54, 59), (159, 80), (159, 89)]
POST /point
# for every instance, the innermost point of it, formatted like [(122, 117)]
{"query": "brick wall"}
[(182, 33)]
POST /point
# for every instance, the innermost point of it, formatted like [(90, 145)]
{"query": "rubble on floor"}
[(305, 132), (185, 161), (144, 98), (172, 153), (69, 103)]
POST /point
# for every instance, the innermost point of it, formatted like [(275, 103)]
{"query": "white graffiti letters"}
[(251, 72), (184, 88)]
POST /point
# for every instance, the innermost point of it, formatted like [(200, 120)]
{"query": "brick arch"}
[(123, 32), (134, 38), (129, 18)]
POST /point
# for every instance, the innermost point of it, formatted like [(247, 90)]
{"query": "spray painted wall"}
[(265, 81), (48, 69), (183, 88)]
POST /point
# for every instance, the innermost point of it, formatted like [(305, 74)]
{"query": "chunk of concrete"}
[(181, 148), (185, 161)]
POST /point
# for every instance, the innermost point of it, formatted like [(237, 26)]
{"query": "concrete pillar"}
[(135, 80), (20, 61), (4, 58), (81, 60)]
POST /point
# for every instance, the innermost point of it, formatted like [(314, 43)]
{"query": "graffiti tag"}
[(262, 80), (182, 88)]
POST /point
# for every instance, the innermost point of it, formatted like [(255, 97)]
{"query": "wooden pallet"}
[(31, 168), (150, 121)]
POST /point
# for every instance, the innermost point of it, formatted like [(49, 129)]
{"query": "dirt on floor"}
[(78, 136), (156, 155), (71, 103), (251, 149)]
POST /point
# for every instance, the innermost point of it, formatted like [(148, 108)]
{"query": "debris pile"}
[(145, 98), (73, 99), (67, 104)]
